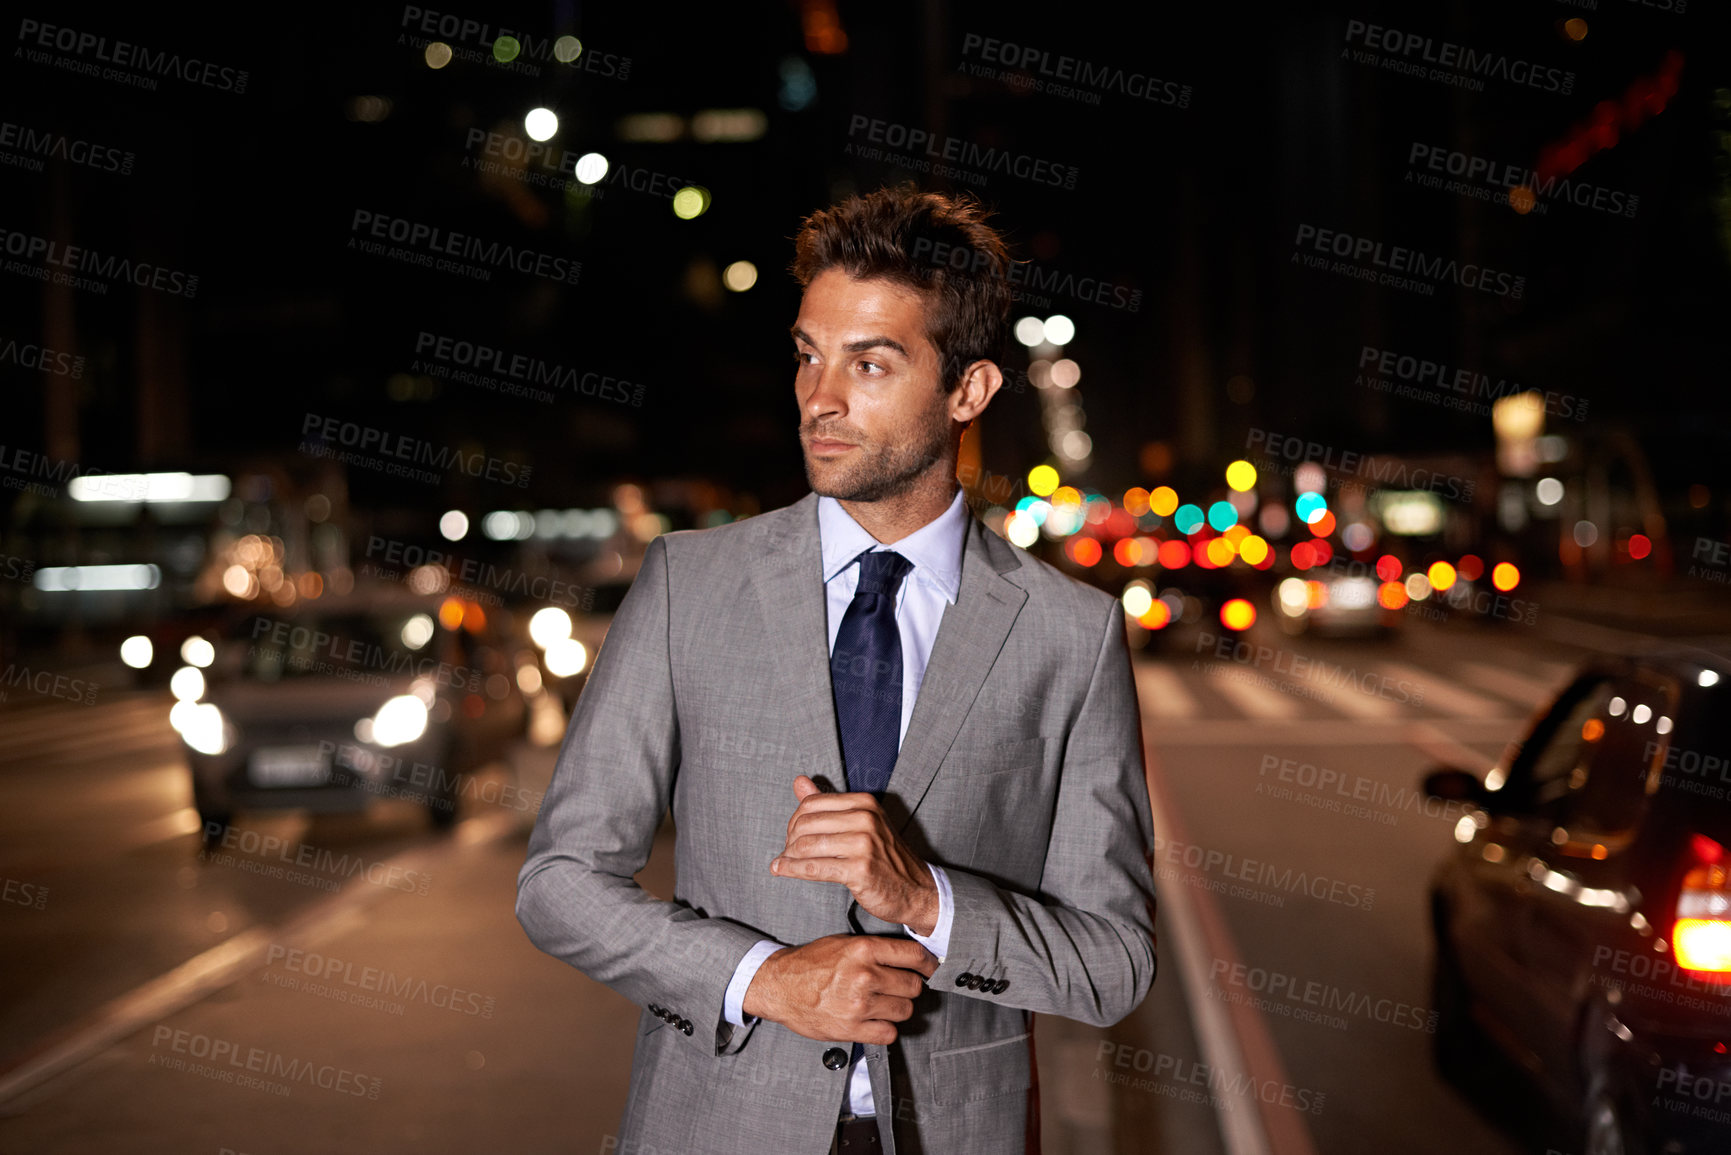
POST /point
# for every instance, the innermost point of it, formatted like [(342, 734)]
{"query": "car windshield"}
[(334, 646)]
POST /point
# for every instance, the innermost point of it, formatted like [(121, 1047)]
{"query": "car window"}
[(1590, 778)]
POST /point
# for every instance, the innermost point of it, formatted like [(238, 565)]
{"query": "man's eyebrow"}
[(859, 346)]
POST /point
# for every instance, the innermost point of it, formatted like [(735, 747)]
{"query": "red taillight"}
[(1702, 936)]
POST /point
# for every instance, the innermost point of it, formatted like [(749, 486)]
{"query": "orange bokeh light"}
[(1505, 576), (1084, 551), (1175, 554), (1238, 614), (1391, 596)]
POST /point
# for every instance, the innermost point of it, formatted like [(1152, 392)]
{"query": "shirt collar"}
[(935, 549)]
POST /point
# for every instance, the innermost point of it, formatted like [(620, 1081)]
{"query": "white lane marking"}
[(1201, 940), (1162, 692), (1358, 704), (219, 966), (1317, 731), (1438, 694), (1529, 692), (1254, 700)]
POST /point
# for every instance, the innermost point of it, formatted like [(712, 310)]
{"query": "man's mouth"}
[(828, 445)]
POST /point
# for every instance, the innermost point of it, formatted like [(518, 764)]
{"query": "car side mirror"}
[(1452, 784)]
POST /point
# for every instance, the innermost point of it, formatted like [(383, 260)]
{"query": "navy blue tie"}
[(865, 671)]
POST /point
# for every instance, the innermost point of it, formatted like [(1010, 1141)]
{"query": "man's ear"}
[(980, 383)]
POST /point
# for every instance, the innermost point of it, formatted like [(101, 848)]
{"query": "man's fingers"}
[(904, 953), (811, 869), (841, 844), (894, 1008), (804, 787)]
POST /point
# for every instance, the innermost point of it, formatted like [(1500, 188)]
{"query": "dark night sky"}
[(1195, 207)]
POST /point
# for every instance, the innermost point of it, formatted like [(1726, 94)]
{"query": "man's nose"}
[(829, 394)]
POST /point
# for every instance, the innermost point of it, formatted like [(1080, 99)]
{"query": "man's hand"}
[(845, 838), (853, 987)]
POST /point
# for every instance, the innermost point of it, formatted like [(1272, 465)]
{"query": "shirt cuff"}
[(938, 942), (733, 1003)]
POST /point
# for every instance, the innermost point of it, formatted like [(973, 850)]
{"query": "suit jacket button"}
[(978, 982), (1003, 985), (653, 1009), (685, 1025), (835, 1058), (963, 979)]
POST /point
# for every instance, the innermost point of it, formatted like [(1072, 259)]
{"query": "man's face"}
[(873, 419)]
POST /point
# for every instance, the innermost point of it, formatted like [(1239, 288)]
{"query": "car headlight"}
[(400, 720), (202, 726)]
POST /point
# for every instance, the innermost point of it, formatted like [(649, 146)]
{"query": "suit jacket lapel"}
[(969, 638), (787, 578)]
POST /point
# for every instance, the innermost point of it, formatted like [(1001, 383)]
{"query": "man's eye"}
[(871, 368), (799, 356)]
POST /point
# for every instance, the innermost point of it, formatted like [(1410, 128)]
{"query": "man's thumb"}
[(804, 788)]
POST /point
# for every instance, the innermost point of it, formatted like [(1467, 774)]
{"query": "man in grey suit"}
[(903, 757)]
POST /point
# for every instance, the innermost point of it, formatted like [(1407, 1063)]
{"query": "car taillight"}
[(1702, 937)]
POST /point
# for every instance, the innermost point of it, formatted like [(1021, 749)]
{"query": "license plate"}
[(1353, 595), (289, 766)]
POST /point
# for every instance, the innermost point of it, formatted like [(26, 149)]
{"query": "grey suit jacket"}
[(1021, 774)]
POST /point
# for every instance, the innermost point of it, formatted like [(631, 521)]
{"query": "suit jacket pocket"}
[(982, 1071)]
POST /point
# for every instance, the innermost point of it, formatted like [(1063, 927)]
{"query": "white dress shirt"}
[(935, 549)]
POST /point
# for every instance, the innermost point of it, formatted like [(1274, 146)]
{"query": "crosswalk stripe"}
[(53, 720), (1358, 704), (1253, 698), (1162, 692), (1517, 687), (1437, 694)]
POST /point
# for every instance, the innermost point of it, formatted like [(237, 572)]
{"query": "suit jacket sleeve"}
[(1083, 945), (576, 895)]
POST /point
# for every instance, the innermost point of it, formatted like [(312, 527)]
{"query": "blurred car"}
[(333, 702), (1583, 923), (1333, 602)]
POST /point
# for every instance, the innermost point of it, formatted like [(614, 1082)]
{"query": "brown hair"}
[(938, 245)]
